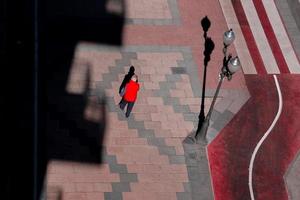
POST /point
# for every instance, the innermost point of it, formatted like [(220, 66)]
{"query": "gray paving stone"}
[(214, 115), (129, 177), (178, 70), (191, 116), (187, 187), (181, 109), (156, 141), (171, 101), (120, 187), (165, 86), (161, 93), (113, 196), (146, 133), (222, 120), (136, 124), (164, 150), (183, 196), (173, 78), (177, 159), (109, 159), (118, 168), (292, 178), (193, 172)]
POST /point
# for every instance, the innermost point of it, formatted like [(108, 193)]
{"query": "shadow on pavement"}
[(70, 126)]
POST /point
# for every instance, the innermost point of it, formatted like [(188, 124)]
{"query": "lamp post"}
[(230, 66)]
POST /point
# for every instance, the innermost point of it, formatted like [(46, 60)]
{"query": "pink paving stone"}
[(163, 177), (60, 167), (141, 99), (180, 133), (162, 70), (113, 150), (147, 187), (132, 133), (183, 86), (157, 187), (174, 168), (147, 70), (185, 78), (139, 141), (159, 117), (152, 9), (169, 125), (142, 116), (196, 108), (173, 142), (84, 187), (151, 86), (159, 159), (91, 168), (157, 78), (95, 196), (149, 195), (122, 141), (190, 101), (136, 168), (129, 159), (189, 93), (175, 117), (162, 133), (179, 150), (166, 109), (155, 101), (177, 93), (102, 187), (144, 109), (74, 196), (153, 125)]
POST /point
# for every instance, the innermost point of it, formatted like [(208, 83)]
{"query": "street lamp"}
[(230, 66)]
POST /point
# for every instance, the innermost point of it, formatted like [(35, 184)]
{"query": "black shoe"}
[(127, 115)]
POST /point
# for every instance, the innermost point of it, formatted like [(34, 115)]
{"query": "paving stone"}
[(120, 187), (167, 150), (129, 177), (178, 70), (173, 77), (166, 86), (117, 168), (181, 108), (222, 120), (113, 196), (183, 196), (146, 133), (156, 141), (177, 159)]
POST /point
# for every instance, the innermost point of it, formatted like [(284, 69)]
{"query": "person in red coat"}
[(130, 95)]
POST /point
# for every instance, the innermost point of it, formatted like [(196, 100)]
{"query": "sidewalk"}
[(145, 156)]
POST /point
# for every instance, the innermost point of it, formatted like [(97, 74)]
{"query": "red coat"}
[(132, 89)]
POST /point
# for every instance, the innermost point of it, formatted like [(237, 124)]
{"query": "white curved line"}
[(264, 137)]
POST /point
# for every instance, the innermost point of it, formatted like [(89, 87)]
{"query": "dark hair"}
[(131, 70)]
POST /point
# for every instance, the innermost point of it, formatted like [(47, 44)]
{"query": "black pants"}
[(122, 105)]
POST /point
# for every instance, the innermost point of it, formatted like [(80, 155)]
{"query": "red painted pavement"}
[(230, 152), (281, 146)]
